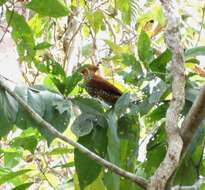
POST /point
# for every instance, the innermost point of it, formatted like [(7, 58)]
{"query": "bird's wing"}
[(101, 84)]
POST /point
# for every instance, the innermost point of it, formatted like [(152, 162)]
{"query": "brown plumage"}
[(98, 87)]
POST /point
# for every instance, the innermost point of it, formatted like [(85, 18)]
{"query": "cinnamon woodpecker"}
[(99, 87)]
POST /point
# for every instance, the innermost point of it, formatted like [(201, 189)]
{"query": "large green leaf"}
[(89, 105), (130, 60), (72, 81), (193, 52), (11, 175), (191, 93), (95, 19), (156, 150), (83, 124), (12, 157), (87, 169), (112, 180), (124, 7), (55, 72), (128, 130), (145, 50), (23, 186), (8, 111), (48, 105), (122, 104), (34, 100), (59, 120), (157, 92), (22, 35), (158, 65), (52, 8), (186, 174), (27, 142)]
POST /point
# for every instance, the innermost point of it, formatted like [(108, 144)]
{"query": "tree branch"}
[(175, 143), (193, 119), (121, 172)]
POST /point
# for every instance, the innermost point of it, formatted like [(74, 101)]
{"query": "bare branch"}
[(196, 186), (193, 119), (175, 143), (112, 167)]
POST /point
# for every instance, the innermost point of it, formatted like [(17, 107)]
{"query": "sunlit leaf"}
[(193, 52), (22, 35), (158, 65), (52, 8), (96, 142), (145, 50), (43, 45), (11, 175), (23, 186)]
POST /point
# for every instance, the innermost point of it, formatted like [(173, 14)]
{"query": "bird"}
[(98, 87)]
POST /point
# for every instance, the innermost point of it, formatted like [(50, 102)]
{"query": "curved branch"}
[(193, 119), (175, 143), (112, 167)]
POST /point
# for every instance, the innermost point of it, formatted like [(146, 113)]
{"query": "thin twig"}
[(9, 22)]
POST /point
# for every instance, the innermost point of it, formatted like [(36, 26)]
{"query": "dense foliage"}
[(126, 38)]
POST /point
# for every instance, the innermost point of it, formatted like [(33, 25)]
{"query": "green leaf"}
[(186, 174), (51, 8), (115, 48), (28, 143), (62, 106), (67, 165), (38, 24), (122, 103), (28, 140), (130, 60), (42, 45), (124, 7), (145, 50), (156, 150), (55, 72), (87, 169), (158, 91), (47, 105), (96, 185), (8, 110), (112, 180), (72, 81), (83, 124), (89, 105), (22, 35), (158, 65), (128, 130), (5, 178), (193, 52), (24, 120), (59, 121), (191, 93), (95, 19), (158, 113), (23, 186), (11, 157), (60, 150), (2, 2)]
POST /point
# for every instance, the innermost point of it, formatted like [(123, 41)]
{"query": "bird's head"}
[(88, 70)]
